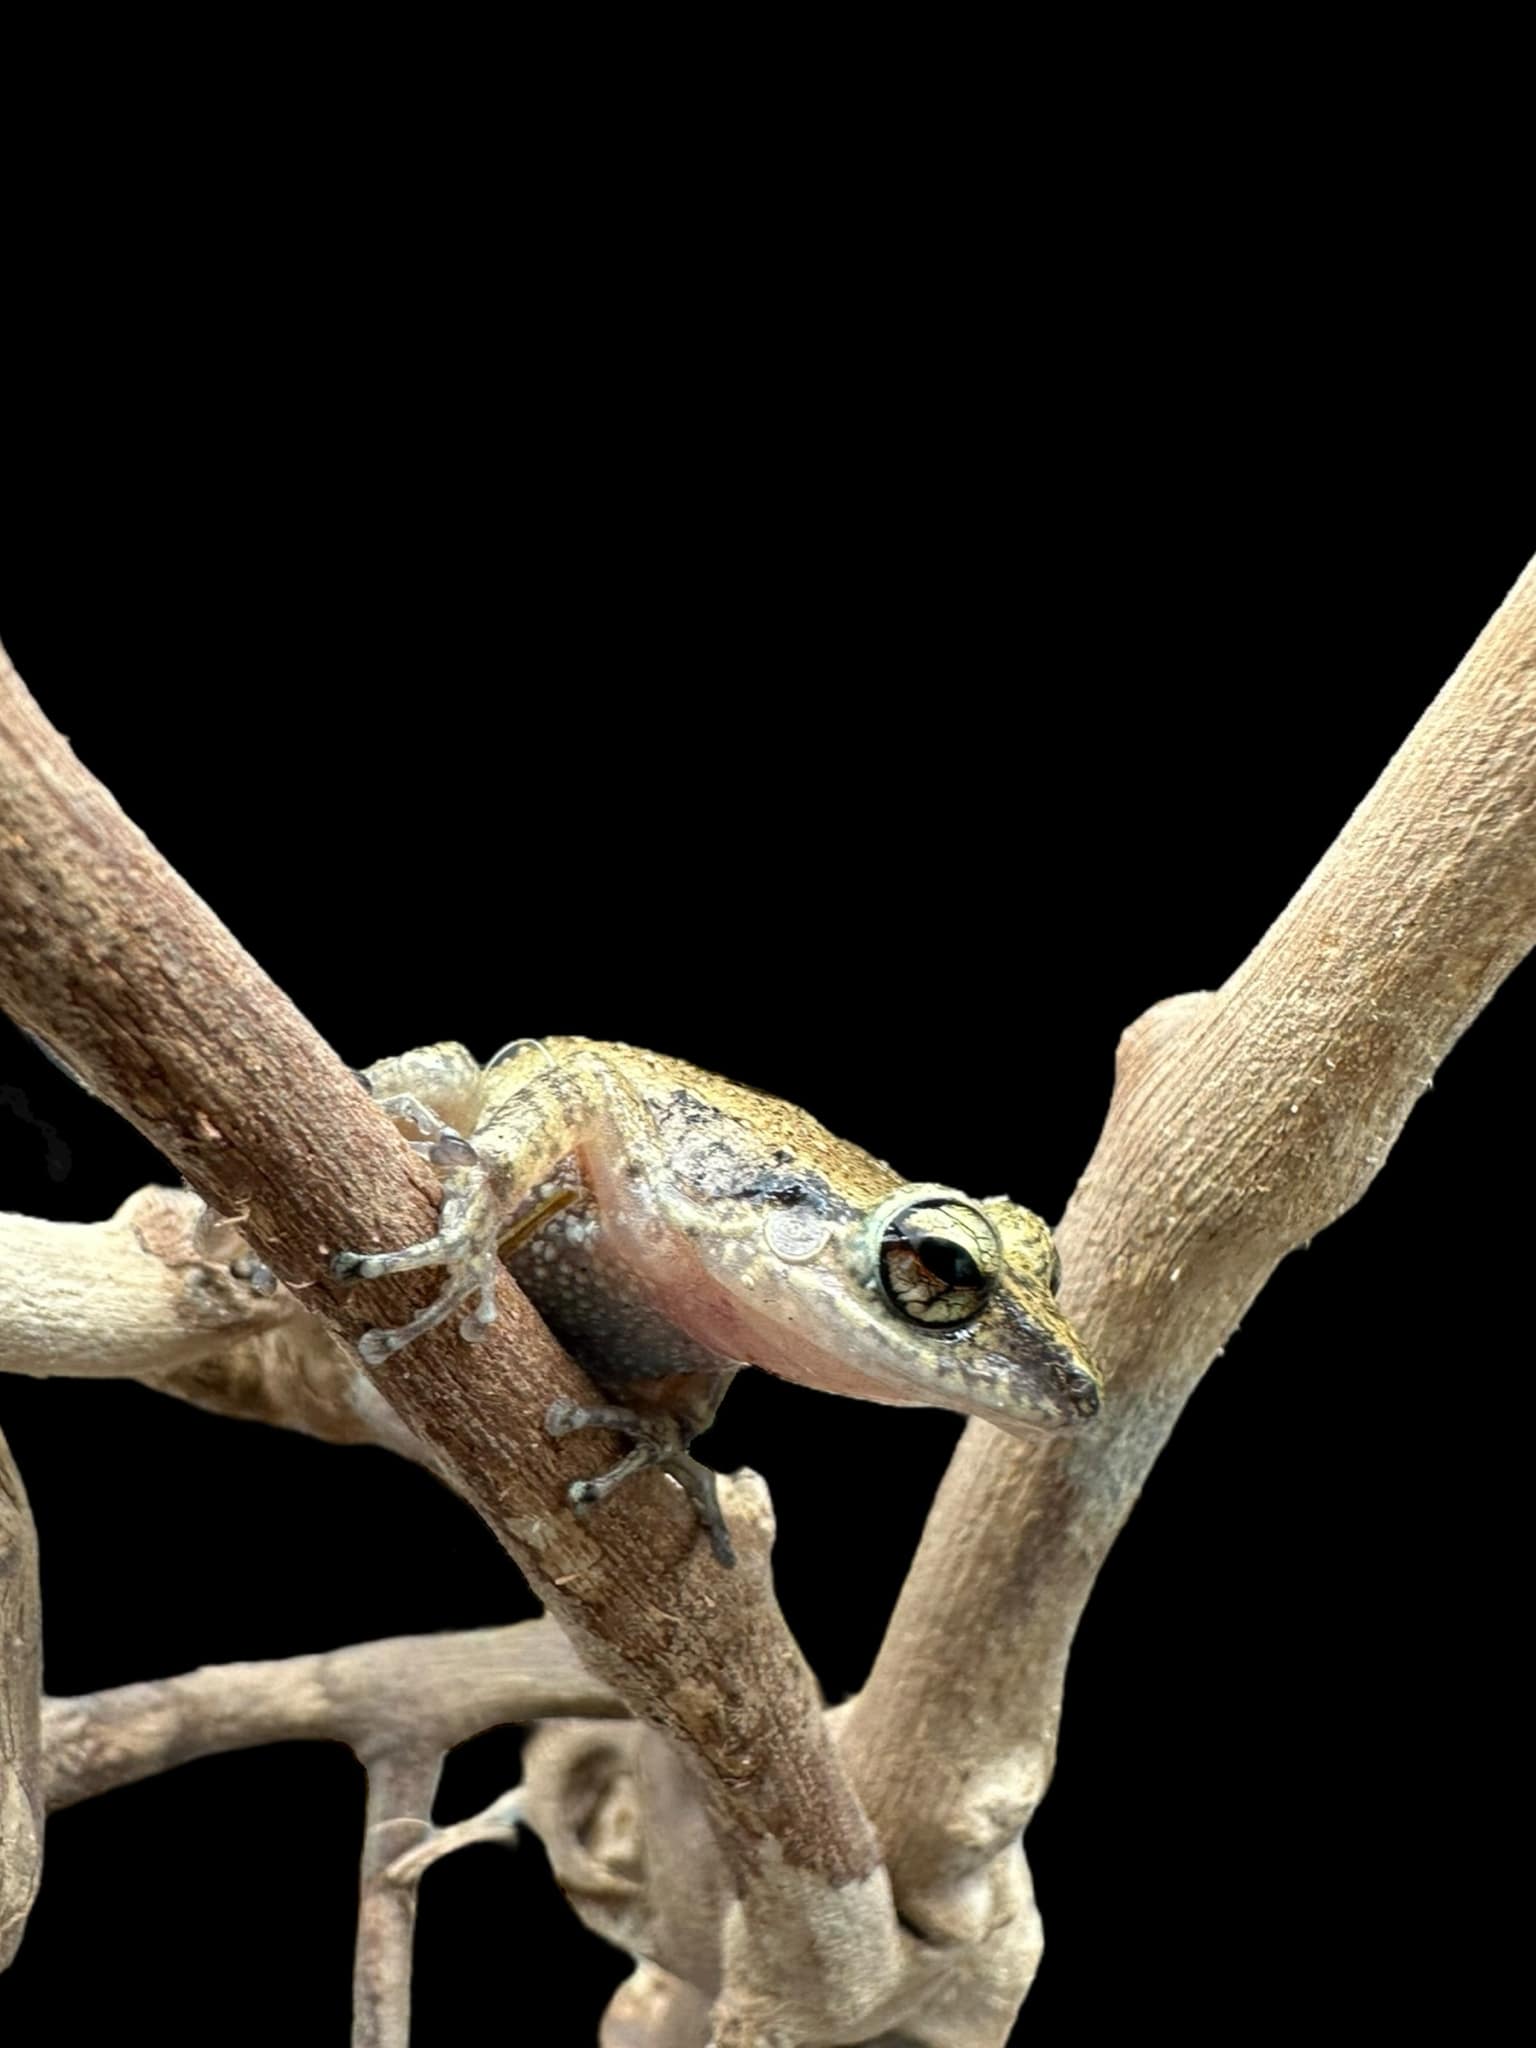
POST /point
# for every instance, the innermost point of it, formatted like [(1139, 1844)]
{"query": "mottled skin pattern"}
[(671, 1227)]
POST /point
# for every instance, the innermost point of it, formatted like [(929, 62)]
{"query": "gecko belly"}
[(605, 1313)]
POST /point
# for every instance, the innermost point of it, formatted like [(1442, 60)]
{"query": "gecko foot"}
[(465, 1242), (258, 1277), (659, 1439), (216, 1238), (471, 1239)]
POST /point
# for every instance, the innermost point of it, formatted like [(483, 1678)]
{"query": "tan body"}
[(671, 1227)]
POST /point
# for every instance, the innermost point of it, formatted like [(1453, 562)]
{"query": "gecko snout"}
[(1080, 1390), (1057, 1389)]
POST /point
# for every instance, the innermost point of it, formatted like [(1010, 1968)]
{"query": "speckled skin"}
[(671, 1227)]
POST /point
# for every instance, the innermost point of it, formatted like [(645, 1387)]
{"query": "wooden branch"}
[(142, 1297), (499, 1823), (630, 1846), (110, 958), (398, 1704), (653, 2009), (1242, 1123), (423, 1691), (402, 1785), (120, 1299), (21, 1685)]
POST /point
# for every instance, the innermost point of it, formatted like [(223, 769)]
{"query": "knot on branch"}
[(1150, 1037)]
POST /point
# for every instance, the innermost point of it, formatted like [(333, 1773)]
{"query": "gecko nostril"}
[(1079, 1387)]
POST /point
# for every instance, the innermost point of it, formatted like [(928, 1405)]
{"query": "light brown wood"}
[(1242, 1123), (21, 1678), (110, 958)]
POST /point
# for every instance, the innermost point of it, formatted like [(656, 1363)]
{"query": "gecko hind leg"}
[(659, 1439)]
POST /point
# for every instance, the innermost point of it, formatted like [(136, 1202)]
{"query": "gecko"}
[(672, 1227)]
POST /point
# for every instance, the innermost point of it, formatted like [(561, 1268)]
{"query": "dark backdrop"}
[(894, 771)]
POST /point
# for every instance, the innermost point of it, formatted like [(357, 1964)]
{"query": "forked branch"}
[(1242, 1123), (110, 958)]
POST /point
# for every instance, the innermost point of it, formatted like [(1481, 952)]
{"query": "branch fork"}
[(1243, 1121)]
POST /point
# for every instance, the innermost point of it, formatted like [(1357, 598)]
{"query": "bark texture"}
[(1243, 1122), (398, 1694), (21, 1687), (147, 1295), (113, 961)]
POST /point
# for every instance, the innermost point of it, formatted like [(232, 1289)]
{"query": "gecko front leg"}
[(436, 1091), (465, 1241), (529, 1128), (517, 1138)]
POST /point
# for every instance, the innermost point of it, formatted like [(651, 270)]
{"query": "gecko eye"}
[(938, 1261)]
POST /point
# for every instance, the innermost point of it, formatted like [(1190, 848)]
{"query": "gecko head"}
[(970, 1290), (924, 1297)]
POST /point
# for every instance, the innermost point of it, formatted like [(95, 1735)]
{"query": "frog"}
[(672, 1227)]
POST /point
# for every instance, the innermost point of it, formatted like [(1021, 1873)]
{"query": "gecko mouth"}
[(1040, 1398), (1046, 1378), (1043, 1398)]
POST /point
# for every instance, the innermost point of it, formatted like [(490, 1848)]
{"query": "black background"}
[(890, 753)]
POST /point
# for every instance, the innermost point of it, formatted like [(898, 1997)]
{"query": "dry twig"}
[(375, 1697)]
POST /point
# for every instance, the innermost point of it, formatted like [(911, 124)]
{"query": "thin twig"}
[(401, 1787), (434, 1690), (499, 1823)]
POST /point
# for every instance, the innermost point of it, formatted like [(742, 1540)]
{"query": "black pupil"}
[(948, 1261)]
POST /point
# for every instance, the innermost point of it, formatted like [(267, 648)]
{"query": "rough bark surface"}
[(113, 961), (1243, 1122), (21, 1686), (394, 1694), (147, 1295)]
